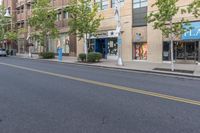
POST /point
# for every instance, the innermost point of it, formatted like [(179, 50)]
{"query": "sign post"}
[(59, 51), (118, 31), (60, 54)]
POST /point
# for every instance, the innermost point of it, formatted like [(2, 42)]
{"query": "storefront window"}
[(112, 47), (182, 51), (91, 45), (166, 51), (141, 51)]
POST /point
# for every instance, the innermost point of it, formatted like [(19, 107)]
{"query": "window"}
[(59, 14), (140, 51), (65, 15), (102, 4), (139, 3), (113, 3), (18, 10), (9, 10), (139, 12), (22, 9)]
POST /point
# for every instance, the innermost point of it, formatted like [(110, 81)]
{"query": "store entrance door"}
[(187, 52), (101, 47)]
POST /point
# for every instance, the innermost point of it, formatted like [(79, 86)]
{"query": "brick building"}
[(22, 11), (10, 7)]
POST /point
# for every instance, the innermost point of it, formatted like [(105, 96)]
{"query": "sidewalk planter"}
[(47, 55), (94, 57), (82, 57)]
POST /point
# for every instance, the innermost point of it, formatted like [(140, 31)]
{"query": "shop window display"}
[(112, 47), (141, 51)]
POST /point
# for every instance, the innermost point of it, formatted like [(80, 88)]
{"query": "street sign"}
[(119, 41), (118, 29)]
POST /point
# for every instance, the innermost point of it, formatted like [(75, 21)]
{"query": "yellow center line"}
[(117, 87)]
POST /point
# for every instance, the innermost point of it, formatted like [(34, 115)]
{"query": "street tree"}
[(43, 22), (194, 8), (164, 19), (3, 23), (11, 35), (6, 28), (84, 20)]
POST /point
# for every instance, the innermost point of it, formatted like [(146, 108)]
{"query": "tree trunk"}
[(46, 43), (85, 44), (172, 48)]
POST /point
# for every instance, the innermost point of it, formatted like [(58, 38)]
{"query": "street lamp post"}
[(7, 15), (118, 30)]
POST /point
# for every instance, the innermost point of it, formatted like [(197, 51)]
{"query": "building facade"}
[(140, 42), (186, 47), (22, 9), (10, 7)]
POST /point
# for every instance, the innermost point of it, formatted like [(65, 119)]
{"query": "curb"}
[(183, 75)]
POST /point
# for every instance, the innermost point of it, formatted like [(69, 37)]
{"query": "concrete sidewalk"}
[(132, 65)]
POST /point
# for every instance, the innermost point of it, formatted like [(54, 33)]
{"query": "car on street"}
[(2, 52)]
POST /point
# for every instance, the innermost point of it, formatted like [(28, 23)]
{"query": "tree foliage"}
[(162, 18), (84, 19), (5, 27), (194, 8), (43, 21), (3, 23), (11, 35)]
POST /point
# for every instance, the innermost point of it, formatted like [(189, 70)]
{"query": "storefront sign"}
[(99, 35), (194, 33), (112, 33)]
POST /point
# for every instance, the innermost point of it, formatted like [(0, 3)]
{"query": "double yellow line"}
[(117, 87)]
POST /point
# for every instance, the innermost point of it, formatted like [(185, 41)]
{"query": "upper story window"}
[(59, 16), (113, 3), (28, 6), (139, 3), (139, 12), (102, 4), (65, 15), (18, 10), (22, 9), (9, 10)]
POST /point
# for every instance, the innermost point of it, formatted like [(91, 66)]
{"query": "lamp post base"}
[(120, 62)]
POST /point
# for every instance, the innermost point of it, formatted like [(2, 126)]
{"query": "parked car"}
[(2, 52)]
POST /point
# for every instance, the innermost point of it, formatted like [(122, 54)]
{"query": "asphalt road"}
[(48, 97)]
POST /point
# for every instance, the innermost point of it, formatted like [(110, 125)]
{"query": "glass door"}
[(190, 51), (187, 51), (180, 51)]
